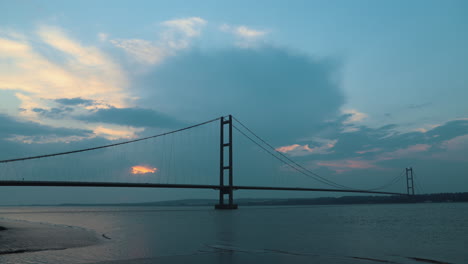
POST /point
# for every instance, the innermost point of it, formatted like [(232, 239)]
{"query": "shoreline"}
[(21, 237)]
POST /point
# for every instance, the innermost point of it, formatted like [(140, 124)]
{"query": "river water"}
[(396, 233)]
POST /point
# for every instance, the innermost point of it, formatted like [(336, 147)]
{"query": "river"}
[(394, 233)]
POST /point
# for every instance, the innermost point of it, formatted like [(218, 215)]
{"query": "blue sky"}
[(352, 89)]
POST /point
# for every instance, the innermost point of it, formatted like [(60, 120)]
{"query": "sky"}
[(356, 91)]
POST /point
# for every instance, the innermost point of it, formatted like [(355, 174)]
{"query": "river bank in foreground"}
[(23, 236)]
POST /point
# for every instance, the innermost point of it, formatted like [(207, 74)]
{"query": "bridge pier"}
[(226, 206), (225, 189)]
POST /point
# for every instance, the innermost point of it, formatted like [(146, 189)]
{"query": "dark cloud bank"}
[(277, 92), (10, 126), (74, 101), (138, 117)]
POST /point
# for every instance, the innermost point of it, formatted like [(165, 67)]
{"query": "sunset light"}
[(140, 169)]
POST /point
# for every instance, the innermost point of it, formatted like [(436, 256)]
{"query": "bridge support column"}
[(409, 181), (225, 189)]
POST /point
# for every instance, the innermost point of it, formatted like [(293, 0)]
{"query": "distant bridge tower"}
[(225, 170), (409, 181)]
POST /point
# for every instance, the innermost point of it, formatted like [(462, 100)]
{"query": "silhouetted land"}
[(423, 198)]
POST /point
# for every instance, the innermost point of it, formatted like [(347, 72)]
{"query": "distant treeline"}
[(423, 198)]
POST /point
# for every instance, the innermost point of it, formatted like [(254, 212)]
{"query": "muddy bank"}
[(20, 237)]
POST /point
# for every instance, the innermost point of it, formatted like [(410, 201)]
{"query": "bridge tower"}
[(409, 181), (225, 170)]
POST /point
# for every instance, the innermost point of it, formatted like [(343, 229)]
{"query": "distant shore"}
[(344, 200)]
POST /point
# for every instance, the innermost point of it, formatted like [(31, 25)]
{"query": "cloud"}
[(143, 169), (246, 37), (29, 132), (302, 150), (54, 90), (190, 27), (74, 71), (368, 150), (142, 50), (354, 116), (90, 56), (75, 101), (103, 37), (404, 152), (453, 150), (175, 36), (10, 127), (286, 149), (136, 117), (447, 131), (341, 166), (45, 139), (457, 143), (246, 32), (53, 112), (114, 133), (262, 87), (419, 106), (383, 147)]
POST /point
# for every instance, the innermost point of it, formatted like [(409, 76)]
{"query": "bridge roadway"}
[(179, 186)]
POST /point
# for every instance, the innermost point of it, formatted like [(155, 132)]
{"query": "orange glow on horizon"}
[(140, 169)]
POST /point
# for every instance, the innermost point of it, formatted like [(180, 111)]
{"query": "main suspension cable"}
[(110, 145)]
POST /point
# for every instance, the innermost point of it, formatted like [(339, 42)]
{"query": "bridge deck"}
[(179, 186)]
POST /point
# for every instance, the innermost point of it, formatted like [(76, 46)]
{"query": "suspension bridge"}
[(200, 156)]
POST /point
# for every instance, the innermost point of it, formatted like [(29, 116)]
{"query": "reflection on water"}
[(411, 233)]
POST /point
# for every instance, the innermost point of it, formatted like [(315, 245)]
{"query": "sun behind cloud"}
[(142, 169)]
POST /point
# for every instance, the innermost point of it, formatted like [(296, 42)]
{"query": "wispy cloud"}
[(354, 116), (246, 32), (83, 71), (426, 128), (89, 56), (79, 75), (404, 152), (103, 37), (457, 143), (190, 27), (344, 165), (302, 150), (116, 132), (142, 50), (245, 36), (453, 150), (368, 150), (45, 139), (176, 35)]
